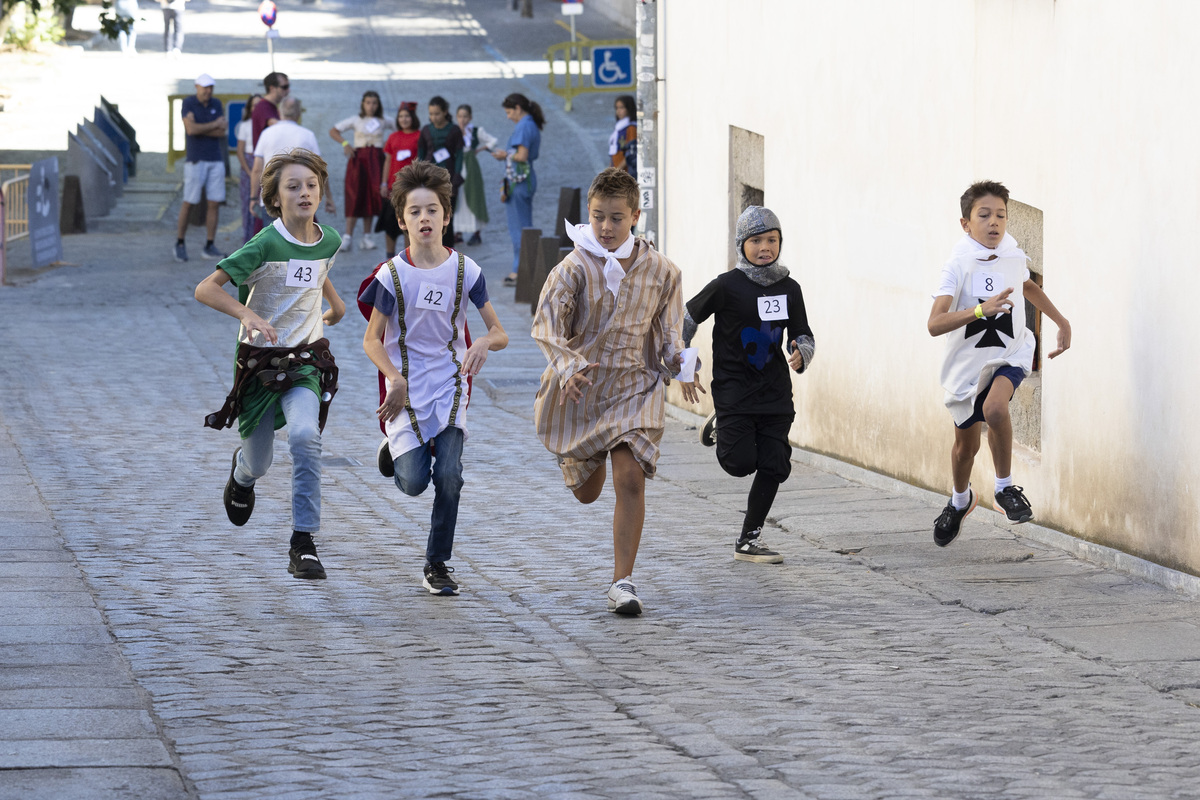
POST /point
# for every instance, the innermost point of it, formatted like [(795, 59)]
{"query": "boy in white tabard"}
[(416, 336), (285, 374), (979, 306)]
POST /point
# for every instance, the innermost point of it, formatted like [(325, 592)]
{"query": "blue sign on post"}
[(612, 66)]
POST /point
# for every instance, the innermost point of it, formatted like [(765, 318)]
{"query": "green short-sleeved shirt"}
[(281, 280)]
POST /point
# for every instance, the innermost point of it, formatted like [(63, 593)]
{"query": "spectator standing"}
[(245, 154), (172, 18), (364, 168), (399, 151), (472, 214), (520, 180), (441, 143), (204, 171), (127, 40), (284, 136), (622, 145), (266, 113)]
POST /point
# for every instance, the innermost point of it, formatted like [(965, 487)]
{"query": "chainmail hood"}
[(756, 220)]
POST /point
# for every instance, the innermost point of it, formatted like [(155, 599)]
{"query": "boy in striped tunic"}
[(417, 338), (609, 323)]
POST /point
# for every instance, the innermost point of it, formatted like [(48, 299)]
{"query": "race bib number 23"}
[(773, 307)]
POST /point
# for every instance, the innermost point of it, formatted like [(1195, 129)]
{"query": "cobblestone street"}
[(153, 650)]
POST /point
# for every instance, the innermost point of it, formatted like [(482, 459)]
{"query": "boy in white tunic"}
[(285, 372), (416, 336), (982, 292)]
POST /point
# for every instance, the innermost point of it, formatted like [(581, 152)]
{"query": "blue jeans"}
[(413, 471), (520, 213), (301, 408)]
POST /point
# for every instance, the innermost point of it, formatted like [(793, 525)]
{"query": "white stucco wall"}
[(876, 116)]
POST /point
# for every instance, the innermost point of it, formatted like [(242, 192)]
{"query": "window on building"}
[(1025, 225), (746, 184)]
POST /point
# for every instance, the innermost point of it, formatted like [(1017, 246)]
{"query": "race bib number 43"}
[(774, 307), (303, 274), (434, 297)]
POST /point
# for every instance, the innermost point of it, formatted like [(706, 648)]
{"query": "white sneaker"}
[(347, 245), (368, 243), (622, 597)]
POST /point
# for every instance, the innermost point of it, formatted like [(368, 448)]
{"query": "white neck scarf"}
[(1007, 248), (622, 124), (585, 239)]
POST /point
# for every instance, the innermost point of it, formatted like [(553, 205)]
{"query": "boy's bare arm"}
[(943, 320), (337, 306), (397, 395), (211, 292), (1036, 295), (494, 339)]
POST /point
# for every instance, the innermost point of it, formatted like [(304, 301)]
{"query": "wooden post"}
[(526, 264)]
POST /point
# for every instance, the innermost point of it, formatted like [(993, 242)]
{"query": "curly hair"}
[(421, 175)]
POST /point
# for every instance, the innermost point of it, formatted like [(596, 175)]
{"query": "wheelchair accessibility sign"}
[(612, 66)]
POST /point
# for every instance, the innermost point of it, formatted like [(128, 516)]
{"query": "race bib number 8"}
[(434, 297), (774, 307), (303, 274), (987, 284)]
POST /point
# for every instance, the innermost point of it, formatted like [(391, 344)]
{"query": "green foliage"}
[(40, 25)]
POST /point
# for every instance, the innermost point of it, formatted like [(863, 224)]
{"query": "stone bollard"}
[(526, 264), (568, 212)]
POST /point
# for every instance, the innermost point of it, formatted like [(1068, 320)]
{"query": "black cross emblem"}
[(991, 328)]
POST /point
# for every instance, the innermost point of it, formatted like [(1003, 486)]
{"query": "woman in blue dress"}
[(520, 180)]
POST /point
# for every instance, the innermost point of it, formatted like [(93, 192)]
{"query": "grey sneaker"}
[(211, 251), (751, 547), (181, 252), (623, 599)]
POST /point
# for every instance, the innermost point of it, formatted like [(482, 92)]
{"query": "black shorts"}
[(1014, 374), (749, 443), (387, 222)]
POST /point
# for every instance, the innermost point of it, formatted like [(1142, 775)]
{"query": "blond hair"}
[(270, 176)]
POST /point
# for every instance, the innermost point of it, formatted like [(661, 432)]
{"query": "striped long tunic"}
[(634, 337)]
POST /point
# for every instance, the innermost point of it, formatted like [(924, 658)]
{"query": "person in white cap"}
[(205, 126)]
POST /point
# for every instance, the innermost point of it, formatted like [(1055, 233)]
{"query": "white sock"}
[(961, 500), (1003, 483)]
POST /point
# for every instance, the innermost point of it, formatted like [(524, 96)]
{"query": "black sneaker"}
[(949, 522), (383, 460), (438, 580), (708, 433), (239, 500), (751, 547), (1014, 505), (303, 561)]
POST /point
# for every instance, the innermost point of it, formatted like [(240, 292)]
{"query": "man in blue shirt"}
[(206, 128)]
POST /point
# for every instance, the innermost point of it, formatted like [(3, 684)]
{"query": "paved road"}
[(152, 650)]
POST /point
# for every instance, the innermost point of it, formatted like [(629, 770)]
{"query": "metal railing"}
[(16, 201), (569, 84)]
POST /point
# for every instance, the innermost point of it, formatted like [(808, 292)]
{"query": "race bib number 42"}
[(304, 274), (774, 307), (434, 297)]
